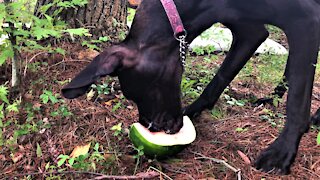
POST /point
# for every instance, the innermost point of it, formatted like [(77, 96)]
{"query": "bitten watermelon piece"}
[(160, 145)]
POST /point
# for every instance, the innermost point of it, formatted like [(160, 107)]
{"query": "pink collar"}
[(174, 18)]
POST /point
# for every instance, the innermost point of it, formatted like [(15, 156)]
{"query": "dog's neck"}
[(151, 18)]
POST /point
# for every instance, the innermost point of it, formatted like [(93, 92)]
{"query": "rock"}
[(220, 39)]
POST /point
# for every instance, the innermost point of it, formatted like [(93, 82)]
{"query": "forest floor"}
[(234, 131)]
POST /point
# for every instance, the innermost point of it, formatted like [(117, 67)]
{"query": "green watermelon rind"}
[(152, 150)]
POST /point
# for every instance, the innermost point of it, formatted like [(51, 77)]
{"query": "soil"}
[(92, 120)]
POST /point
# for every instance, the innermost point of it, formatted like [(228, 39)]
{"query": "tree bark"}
[(101, 17)]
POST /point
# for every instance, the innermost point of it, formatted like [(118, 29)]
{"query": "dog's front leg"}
[(246, 39), (304, 44)]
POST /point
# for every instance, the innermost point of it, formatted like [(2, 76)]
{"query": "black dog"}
[(149, 70)]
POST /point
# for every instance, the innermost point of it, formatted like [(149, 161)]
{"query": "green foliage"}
[(103, 88), (3, 94), (239, 129), (29, 29), (138, 156), (131, 14), (87, 162), (265, 69), (92, 44), (5, 54), (233, 102), (187, 89), (39, 150), (62, 159), (48, 95), (275, 119), (117, 129), (77, 32), (61, 110), (217, 113), (119, 104), (318, 139), (6, 107)]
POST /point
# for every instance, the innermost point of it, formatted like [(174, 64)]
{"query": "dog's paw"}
[(263, 101), (277, 158), (315, 119)]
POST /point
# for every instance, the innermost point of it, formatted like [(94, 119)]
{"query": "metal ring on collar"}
[(180, 35)]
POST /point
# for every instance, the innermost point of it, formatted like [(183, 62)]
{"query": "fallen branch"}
[(143, 175), (147, 175), (220, 161)]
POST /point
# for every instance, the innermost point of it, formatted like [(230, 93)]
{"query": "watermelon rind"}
[(162, 151)]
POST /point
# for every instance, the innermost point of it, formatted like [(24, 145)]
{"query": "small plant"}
[(54, 99), (233, 102), (117, 130), (102, 89), (47, 96), (187, 88), (119, 103), (5, 109), (217, 113), (138, 156), (239, 129), (271, 117), (318, 139), (86, 162), (199, 51), (93, 44), (276, 100), (21, 30)]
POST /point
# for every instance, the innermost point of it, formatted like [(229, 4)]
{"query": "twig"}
[(31, 59), (143, 175), (220, 161), (147, 175), (67, 61), (160, 172), (311, 172), (177, 171), (51, 173)]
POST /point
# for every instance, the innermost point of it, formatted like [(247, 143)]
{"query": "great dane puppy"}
[(149, 70)]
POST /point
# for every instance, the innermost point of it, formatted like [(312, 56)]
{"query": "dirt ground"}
[(92, 121)]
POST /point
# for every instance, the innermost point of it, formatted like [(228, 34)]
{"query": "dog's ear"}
[(106, 63)]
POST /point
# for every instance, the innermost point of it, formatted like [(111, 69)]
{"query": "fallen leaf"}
[(16, 157), (128, 159), (87, 54), (2, 157), (80, 150), (39, 150), (109, 103), (244, 157), (90, 95), (130, 107)]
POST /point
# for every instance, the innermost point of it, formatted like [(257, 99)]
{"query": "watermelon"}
[(160, 145)]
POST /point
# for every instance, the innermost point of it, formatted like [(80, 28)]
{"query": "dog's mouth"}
[(146, 122)]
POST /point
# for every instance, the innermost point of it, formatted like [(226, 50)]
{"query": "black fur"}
[(147, 63)]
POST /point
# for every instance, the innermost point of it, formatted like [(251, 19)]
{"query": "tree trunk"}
[(15, 79), (101, 17)]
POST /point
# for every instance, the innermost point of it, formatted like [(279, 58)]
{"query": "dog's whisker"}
[(150, 125)]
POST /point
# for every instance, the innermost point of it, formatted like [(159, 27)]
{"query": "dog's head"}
[(148, 67), (149, 78)]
